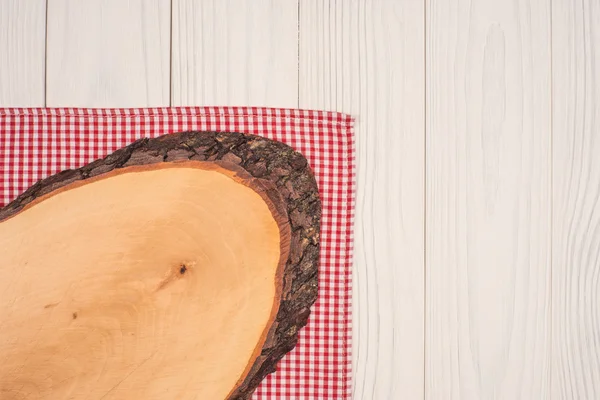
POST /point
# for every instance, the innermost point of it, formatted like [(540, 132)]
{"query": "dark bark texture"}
[(271, 162)]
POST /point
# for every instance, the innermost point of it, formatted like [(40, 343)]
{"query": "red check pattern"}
[(36, 143)]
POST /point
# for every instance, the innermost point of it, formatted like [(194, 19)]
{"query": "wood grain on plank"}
[(22, 50), (236, 53), (108, 53), (488, 200), (576, 196), (366, 58)]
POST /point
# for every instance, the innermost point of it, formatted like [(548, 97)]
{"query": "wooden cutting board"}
[(180, 267)]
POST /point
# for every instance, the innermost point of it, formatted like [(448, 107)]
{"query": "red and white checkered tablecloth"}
[(36, 143)]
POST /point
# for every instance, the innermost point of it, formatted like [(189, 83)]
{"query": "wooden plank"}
[(488, 200), (22, 45), (366, 58), (108, 53), (576, 194), (231, 52)]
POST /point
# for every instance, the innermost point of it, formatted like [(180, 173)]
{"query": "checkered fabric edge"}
[(36, 143)]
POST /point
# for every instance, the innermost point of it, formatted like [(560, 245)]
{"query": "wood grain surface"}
[(348, 63), (22, 53), (488, 201), (576, 196), (134, 281), (233, 53), (477, 227), (108, 53)]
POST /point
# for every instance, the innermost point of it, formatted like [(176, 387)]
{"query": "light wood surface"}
[(108, 53), (348, 64), (488, 200), (233, 53), (140, 283), (22, 53), (499, 218), (576, 194)]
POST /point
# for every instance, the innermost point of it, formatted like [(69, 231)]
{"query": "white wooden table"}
[(477, 270)]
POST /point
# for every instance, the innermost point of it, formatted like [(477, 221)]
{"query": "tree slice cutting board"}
[(180, 267)]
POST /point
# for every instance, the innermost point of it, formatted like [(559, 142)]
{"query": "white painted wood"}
[(22, 52), (366, 58), (576, 195), (108, 53), (488, 200), (235, 53)]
